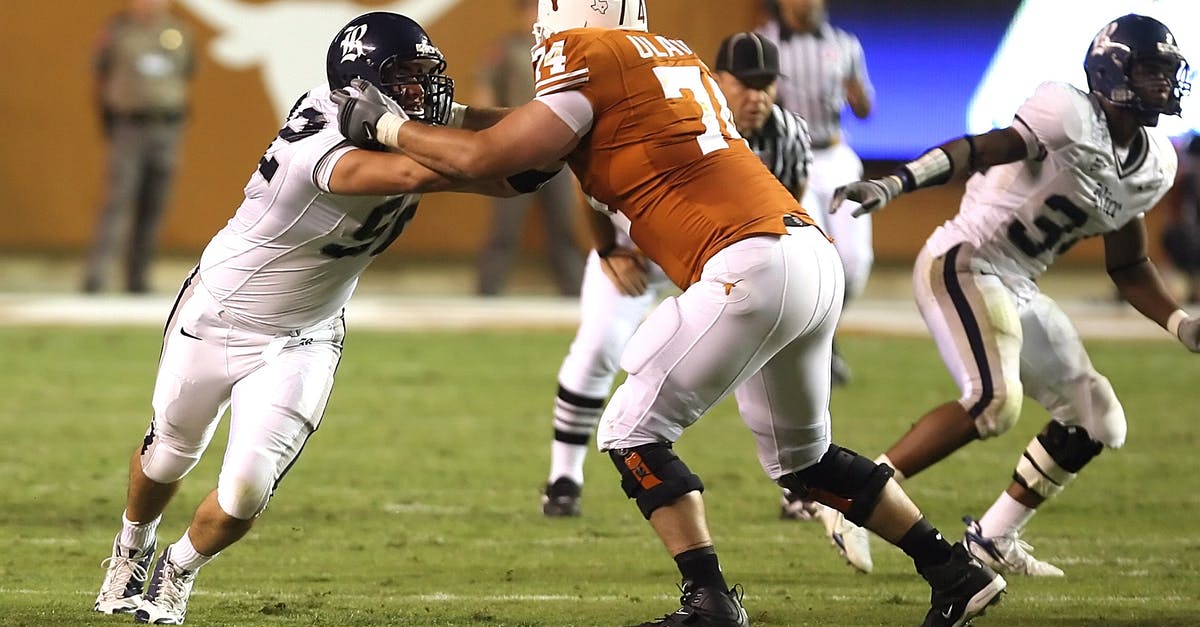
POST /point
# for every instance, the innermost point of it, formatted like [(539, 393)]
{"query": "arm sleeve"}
[(572, 107), (321, 155)]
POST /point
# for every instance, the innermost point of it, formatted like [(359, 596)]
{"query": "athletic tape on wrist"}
[(387, 129), (1175, 320), (932, 168), (457, 113)]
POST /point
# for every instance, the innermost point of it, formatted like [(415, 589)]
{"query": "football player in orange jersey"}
[(645, 128)]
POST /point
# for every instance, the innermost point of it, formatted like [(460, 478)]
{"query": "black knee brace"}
[(1071, 447), (843, 480), (654, 475)]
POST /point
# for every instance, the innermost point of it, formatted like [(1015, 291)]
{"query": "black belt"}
[(791, 220)]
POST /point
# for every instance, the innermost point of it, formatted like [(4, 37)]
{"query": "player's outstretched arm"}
[(1126, 256), (954, 159), (529, 137)]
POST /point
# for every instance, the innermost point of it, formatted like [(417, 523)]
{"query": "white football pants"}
[(276, 387), (607, 319), (1002, 338), (759, 324)]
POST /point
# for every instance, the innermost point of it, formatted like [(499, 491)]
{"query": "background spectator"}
[(143, 63), (506, 81)]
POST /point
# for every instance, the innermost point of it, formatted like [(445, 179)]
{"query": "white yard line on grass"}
[(866, 316)]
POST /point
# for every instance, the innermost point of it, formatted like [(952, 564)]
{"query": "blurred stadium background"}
[(927, 62)]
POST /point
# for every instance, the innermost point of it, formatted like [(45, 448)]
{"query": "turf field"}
[(417, 502)]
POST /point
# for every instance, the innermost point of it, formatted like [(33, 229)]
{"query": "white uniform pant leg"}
[(607, 319), (191, 389), (1058, 373), (974, 321), (274, 409), (754, 298), (786, 403), (833, 167)]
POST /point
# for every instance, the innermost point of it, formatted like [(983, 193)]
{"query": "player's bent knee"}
[(1105, 418), (1002, 410), (1054, 458), (843, 480), (244, 497), (654, 476), (164, 461)]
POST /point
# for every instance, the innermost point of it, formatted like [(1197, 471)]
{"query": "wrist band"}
[(607, 250), (457, 113), (1175, 320), (932, 168), (387, 128)]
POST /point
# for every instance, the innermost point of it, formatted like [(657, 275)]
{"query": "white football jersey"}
[(1021, 216), (292, 254)]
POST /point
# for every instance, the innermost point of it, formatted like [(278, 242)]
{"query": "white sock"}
[(566, 460), (137, 536), (883, 459), (185, 556), (1006, 515)]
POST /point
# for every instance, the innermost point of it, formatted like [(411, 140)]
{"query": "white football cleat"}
[(852, 541), (1007, 554), (124, 580), (166, 598)]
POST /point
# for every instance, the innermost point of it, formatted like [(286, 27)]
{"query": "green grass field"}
[(417, 503)]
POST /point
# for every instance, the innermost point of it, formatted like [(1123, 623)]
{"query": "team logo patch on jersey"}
[(600, 6)]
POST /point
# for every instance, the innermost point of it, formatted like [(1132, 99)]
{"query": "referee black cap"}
[(748, 56)]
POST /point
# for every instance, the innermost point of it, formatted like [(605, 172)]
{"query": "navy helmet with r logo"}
[(1126, 43), (396, 55)]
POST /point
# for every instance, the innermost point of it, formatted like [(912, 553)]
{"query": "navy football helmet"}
[(1129, 41), (393, 53)]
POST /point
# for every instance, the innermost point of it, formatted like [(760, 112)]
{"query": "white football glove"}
[(870, 195)]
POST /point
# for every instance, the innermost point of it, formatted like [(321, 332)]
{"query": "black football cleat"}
[(962, 589), (705, 607)]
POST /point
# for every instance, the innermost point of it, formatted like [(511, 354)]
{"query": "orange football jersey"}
[(663, 149)]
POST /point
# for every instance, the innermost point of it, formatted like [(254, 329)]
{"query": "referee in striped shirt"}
[(747, 70), (825, 73)]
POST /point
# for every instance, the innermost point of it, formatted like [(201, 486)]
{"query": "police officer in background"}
[(825, 72), (143, 64), (505, 81)]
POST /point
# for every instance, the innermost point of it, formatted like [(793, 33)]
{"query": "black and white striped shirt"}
[(785, 147), (814, 68)]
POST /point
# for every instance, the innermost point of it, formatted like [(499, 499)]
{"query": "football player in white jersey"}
[(1073, 164), (258, 324)]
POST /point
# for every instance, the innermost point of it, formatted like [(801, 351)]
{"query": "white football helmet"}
[(555, 16)]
